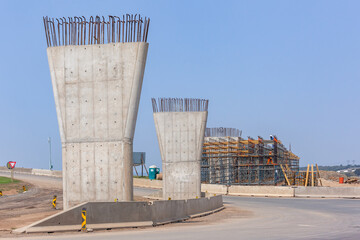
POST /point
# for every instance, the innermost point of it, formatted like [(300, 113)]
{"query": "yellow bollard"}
[(197, 197), (116, 200), (24, 188), (83, 215), (0, 193), (54, 202), (169, 198)]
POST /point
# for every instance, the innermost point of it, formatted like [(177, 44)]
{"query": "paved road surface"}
[(270, 218)]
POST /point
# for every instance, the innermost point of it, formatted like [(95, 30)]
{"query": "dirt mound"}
[(331, 175)]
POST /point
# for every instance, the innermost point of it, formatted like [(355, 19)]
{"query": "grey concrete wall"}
[(168, 211), (45, 172), (39, 172), (330, 192), (214, 188), (97, 92), (271, 191), (103, 212), (284, 191), (17, 170), (195, 206), (181, 136), (158, 212)]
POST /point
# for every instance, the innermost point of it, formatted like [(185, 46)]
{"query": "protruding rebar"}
[(222, 132), (132, 28), (180, 105)]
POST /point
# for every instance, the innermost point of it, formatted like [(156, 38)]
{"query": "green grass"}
[(5, 180)]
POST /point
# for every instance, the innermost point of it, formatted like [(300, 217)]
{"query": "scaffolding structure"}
[(309, 178), (230, 159)]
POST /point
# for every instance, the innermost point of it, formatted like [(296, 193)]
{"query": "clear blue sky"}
[(290, 68)]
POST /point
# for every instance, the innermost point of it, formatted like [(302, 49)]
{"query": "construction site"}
[(84, 157), (230, 159)]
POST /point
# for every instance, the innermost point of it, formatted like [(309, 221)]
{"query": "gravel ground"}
[(22, 209)]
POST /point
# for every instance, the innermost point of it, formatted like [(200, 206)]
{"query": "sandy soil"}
[(10, 192), (330, 183), (21, 209), (13, 188)]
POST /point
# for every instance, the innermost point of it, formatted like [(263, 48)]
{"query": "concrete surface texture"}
[(329, 192), (180, 136), (97, 91), (270, 191), (106, 214)]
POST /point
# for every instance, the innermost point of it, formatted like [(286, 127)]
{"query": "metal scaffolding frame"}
[(233, 160)]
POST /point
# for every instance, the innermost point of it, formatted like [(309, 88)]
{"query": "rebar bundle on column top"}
[(96, 30), (179, 105), (222, 132)]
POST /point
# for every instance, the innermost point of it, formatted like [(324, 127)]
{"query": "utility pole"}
[(50, 163)]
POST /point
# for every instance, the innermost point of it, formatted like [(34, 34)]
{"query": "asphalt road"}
[(270, 218)]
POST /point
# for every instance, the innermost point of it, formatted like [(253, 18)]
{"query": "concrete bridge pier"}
[(97, 87), (180, 126)]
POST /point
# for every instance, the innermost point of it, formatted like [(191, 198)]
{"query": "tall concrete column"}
[(97, 85), (180, 126)]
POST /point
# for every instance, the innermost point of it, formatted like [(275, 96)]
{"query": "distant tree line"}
[(333, 168), (337, 168)]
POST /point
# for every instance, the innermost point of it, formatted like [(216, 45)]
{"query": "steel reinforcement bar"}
[(180, 105), (222, 132), (96, 30)]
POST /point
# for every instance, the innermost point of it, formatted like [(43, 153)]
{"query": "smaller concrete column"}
[(180, 126)]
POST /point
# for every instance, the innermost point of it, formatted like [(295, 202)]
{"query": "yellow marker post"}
[(24, 188), (0, 193), (54, 202), (169, 198), (83, 215)]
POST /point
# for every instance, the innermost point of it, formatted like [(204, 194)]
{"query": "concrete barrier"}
[(202, 205), (214, 188), (101, 212), (45, 172), (261, 191), (17, 170), (39, 172), (328, 192), (147, 183), (165, 211), (103, 215)]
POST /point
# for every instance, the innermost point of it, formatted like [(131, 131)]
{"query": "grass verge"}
[(5, 180)]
